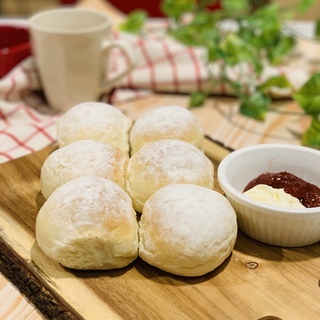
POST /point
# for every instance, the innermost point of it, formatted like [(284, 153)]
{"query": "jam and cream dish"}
[(270, 214), (284, 185)]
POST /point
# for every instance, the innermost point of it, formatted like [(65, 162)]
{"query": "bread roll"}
[(81, 158), (163, 162), (187, 230), (169, 122), (88, 223), (94, 121)]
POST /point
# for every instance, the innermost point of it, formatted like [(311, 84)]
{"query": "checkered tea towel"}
[(27, 122)]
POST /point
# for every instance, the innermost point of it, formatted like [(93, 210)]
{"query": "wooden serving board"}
[(257, 281)]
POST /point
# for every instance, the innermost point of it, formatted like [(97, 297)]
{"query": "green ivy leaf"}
[(264, 14), (204, 20), (311, 137), (255, 106), (214, 53), (201, 31), (186, 35), (308, 97), (176, 8), (235, 6), (135, 21), (235, 50), (197, 99), (257, 63), (269, 33), (262, 28), (304, 5), (311, 105), (277, 81), (258, 38), (283, 46)]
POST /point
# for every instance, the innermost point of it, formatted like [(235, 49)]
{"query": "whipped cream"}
[(277, 197)]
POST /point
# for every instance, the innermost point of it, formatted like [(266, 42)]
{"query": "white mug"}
[(71, 47)]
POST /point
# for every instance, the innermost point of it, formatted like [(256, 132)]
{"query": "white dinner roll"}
[(88, 223), (163, 162), (82, 158), (94, 121), (170, 122), (187, 230)]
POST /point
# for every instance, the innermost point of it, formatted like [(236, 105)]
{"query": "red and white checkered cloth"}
[(27, 123)]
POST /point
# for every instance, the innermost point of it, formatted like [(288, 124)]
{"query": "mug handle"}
[(128, 52)]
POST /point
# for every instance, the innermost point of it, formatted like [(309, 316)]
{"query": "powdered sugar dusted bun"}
[(88, 223), (82, 158), (163, 162), (170, 122), (94, 121), (187, 230)]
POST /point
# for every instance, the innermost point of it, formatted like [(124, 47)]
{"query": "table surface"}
[(279, 282)]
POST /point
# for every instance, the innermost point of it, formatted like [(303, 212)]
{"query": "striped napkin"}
[(27, 123)]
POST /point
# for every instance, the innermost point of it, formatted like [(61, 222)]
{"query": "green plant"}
[(255, 39)]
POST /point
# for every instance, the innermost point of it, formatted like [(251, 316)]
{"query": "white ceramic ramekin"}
[(286, 227)]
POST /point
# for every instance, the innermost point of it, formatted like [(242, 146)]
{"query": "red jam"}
[(307, 193)]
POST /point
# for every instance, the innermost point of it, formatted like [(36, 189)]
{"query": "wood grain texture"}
[(256, 281)]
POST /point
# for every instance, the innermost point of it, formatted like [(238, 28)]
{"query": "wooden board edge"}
[(30, 285)]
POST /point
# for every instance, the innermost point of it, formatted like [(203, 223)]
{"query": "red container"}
[(14, 46)]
